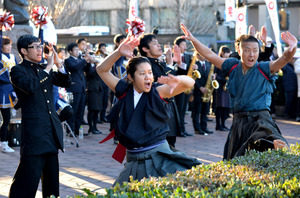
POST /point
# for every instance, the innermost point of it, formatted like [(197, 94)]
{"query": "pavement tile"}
[(91, 166)]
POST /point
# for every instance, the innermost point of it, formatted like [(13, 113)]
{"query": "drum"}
[(64, 110), (14, 133)]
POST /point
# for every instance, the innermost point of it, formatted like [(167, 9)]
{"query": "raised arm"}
[(103, 69), (173, 85), (202, 49), (287, 54)]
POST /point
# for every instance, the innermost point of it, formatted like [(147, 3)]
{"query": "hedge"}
[(273, 173)]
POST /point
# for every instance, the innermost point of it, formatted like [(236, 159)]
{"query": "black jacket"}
[(201, 82), (77, 68), (41, 130)]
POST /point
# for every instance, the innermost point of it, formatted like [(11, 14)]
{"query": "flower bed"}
[(274, 173)]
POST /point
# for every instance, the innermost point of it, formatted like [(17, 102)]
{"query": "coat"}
[(41, 130)]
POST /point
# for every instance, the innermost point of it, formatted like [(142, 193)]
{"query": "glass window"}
[(163, 17), (99, 17)]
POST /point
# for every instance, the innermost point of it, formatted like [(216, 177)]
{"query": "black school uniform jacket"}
[(41, 130), (77, 67)]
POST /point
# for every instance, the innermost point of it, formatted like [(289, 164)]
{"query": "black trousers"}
[(104, 99), (181, 102), (29, 172), (78, 107), (200, 113), (6, 119)]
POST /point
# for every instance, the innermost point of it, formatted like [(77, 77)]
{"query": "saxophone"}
[(192, 73), (210, 85)]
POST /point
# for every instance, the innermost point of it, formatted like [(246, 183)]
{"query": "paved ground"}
[(91, 166)]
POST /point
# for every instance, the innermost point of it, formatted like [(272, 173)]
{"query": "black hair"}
[(24, 41), (5, 40), (117, 40), (224, 49), (71, 46), (144, 42), (179, 40), (80, 40), (247, 38), (99, 51), (60, 49), (133, 63)]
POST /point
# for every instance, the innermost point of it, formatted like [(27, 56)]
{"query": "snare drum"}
[(14, 133)]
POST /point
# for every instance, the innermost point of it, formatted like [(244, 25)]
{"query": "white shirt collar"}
[(136, 97)]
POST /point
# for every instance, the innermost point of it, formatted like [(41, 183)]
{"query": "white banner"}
[(241, 26), (133, 9), (230, 10), (273, 13)]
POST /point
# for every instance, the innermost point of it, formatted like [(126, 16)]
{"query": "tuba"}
[(192, 73), (210, 85)]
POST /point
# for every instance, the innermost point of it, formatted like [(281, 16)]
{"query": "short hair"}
[(101, 45), (118, 38), (24, 41), (71, 46), (5, 40), (133, 63), (144, 42), (247, 38), (224, 49), (80, 40), (179, 40), (60, 49)]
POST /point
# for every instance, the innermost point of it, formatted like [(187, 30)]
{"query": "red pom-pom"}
[(136, 27), (39, 15), (6, 20)]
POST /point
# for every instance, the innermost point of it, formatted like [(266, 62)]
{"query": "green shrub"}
[(274, 173)]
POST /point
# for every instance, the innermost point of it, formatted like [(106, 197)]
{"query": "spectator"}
[(8, 96)]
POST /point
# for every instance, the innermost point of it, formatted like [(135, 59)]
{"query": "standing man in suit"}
[(41, 130), (201, 108), (182, 99), (77, 67), (94, 100), (83, 48)]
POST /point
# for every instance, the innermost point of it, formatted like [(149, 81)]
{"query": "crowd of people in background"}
[(95, 97), (88, 89)]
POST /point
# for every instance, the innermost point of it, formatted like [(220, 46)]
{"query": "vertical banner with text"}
[(230, 10), (133, 9), (241, 26), (273, 13)]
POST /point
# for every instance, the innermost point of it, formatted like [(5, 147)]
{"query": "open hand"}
[(170, 80), (169, 58), (263, 34), (177, 55), (52, 51), (187, 33), (251, 30), (289, 39), (128, 46)]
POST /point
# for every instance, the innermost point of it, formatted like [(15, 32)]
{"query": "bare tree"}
[(64, 13), (122, 14), (197, 15)]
